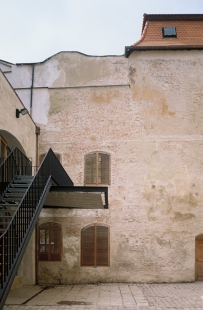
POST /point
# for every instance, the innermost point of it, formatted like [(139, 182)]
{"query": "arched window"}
[(3, 149), (97, 169), (95, 245), (49, 242)]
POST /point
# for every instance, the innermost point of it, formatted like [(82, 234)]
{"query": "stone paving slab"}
[(19, 296), (113, 296)]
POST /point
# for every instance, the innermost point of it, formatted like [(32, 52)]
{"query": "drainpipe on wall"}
[(37, 131), (31, 88)]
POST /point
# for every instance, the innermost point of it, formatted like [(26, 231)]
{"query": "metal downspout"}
[(31, 88), (37, 132)]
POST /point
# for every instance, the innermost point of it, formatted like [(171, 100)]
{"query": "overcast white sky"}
[(33, 30)]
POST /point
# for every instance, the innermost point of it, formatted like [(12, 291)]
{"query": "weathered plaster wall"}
[(23, 129), (27, 267), (20, 76), (153, 131), (149, 118), (167, 87)]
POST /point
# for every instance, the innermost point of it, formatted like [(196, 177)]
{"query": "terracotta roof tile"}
[(189, 29)]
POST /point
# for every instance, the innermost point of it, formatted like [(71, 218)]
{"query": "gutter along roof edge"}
[(130, 49)]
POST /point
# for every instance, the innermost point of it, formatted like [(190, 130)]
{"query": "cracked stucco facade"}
[(20, 133), (146, 112)]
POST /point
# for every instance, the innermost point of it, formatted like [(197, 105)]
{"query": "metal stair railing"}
[(15, 164), (14, 240)]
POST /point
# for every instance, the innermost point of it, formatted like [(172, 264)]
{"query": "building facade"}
[(132, 123), (21, 133)]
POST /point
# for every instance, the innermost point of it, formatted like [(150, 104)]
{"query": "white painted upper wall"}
[(69, 69), (65, 69)]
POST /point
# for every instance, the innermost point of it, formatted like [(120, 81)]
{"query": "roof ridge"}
[(172, 17)]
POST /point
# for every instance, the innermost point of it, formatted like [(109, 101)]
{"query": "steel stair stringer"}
[(19, 255)]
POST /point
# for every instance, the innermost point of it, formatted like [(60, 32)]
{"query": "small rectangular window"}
[(97, 168), (169, 32), (49, 242)]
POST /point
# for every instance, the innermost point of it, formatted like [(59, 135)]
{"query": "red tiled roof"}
[(189, 29)]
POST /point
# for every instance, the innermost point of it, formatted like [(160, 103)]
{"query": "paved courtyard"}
[(114, 296)]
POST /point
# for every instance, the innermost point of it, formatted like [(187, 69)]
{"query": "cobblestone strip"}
[(174, 295)]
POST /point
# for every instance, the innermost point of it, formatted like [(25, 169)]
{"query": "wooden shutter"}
[(87, 246), (102, 246), (91, 168), (95, 246), (103, 168), (97, 168)]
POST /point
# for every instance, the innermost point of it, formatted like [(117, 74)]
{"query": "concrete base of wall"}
[(18, 282)]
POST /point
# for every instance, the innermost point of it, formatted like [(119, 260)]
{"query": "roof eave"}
[(130, 49)]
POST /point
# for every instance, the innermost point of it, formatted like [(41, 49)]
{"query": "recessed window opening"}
[(97, 169), (3, 149), (169, 32), (49, 242), (95, 245)]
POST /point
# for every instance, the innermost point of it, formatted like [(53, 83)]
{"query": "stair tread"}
[(14, 189), (5, 209), (21, 182), (19, 185), (9, 204), (11, 199), (24, 177), (8, 211), (14, 194)]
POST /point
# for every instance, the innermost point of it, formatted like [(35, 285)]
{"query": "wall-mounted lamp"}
[(22, 111)]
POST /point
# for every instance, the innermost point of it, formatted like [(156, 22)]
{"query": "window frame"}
[(97, 183), (172, 35), (95, 246), (48, 227), (5, 144)]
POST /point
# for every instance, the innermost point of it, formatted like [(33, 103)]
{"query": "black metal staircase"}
[(11, 198), (21, 200)]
